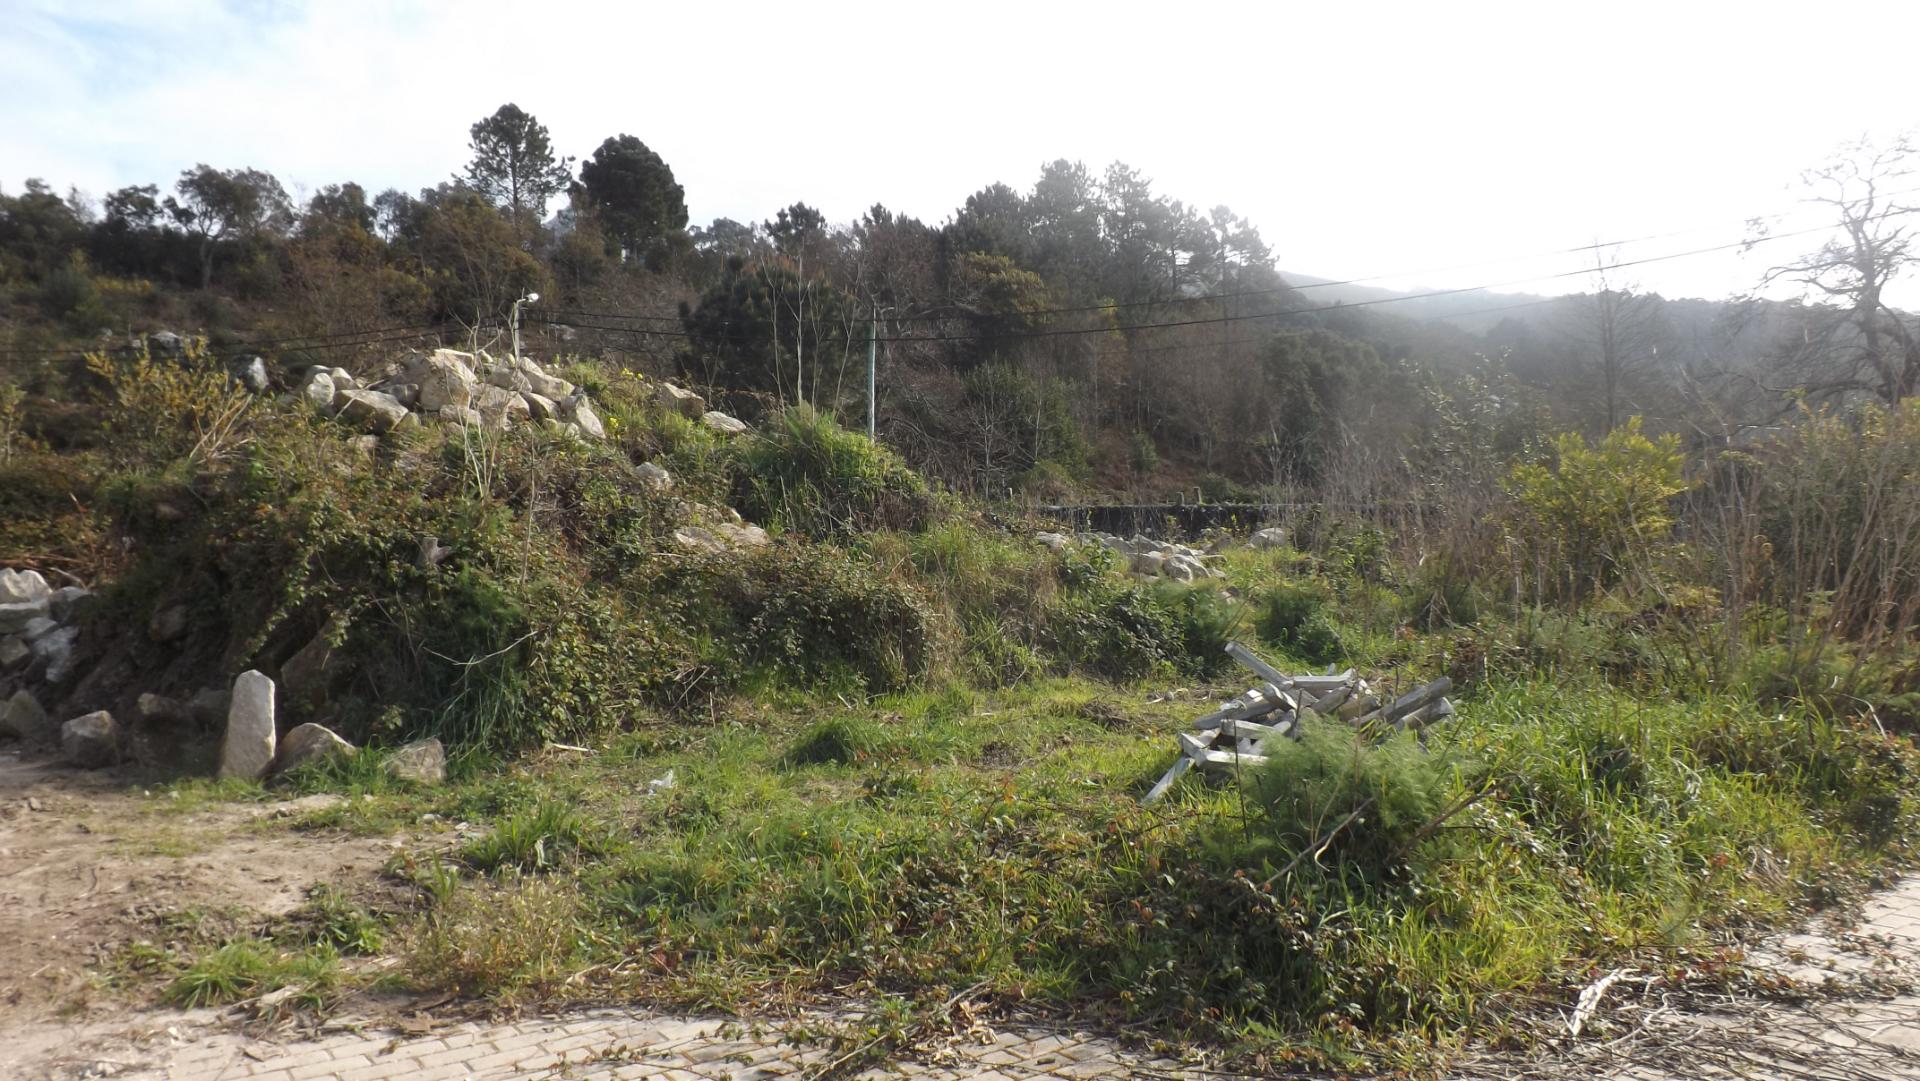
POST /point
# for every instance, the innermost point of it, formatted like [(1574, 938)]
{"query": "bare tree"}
[(1621, 330), (1850, 340)]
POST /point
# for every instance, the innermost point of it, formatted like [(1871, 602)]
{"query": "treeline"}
[(1085, 334)]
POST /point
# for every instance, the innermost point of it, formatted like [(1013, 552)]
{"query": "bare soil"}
[(91, 861)]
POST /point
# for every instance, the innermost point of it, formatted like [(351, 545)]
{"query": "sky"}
[(1414, 144)]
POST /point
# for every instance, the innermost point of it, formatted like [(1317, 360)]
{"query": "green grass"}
[(210, 959), (945, 839)]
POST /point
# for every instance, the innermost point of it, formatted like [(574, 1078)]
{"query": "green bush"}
[(1215, 488), (1204, 622), (1341, 801), (804, 473), (1293, 618), (1123, 635), (1442, 594), (807, 614)]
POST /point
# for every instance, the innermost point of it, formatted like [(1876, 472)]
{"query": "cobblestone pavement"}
[(1869, 1030)]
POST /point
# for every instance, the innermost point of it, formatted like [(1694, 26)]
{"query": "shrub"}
[(1599, 508), (1336, 799), (807, 613), (1215, 488), (804, 473), (1122, 635), (1292, 618), (1204, 622), (1442, 594)]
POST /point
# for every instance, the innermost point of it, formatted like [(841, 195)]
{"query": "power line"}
[(234, 352), (547, 317), (1304, 287)]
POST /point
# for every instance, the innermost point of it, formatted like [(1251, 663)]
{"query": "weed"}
[(536, 840)]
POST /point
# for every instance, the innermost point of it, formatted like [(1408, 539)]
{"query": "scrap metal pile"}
[(1236, 735)]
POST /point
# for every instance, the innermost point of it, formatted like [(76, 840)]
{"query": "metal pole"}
[(873, 348), (514, 322)]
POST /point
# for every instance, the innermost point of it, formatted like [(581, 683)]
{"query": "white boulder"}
[(249, 746)]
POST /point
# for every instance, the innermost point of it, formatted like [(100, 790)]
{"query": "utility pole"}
[(873, 348)]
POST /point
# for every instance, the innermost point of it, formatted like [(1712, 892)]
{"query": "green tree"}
[(514, 166), (224, 207), (799, 232), (633, 191), (763, 328), (468, 255), (338, 207), (37, 230)]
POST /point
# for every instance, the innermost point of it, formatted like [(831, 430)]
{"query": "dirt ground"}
[(91, 861)]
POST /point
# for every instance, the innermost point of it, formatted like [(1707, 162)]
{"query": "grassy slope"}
[(920, 741)]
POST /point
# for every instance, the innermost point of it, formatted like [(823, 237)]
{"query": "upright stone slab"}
[(249, 746)]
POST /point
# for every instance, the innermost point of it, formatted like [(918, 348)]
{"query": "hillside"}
[(561, 565)]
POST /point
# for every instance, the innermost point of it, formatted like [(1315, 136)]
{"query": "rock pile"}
[(453, 387), (1144, 555), (693, 407), (36, 632)]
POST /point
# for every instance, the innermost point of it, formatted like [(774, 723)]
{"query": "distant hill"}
[(1476, 311)]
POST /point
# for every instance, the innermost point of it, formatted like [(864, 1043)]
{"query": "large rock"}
[(579, 412), (500, 407), (15, 615), (65, 602), (720, 537), (684, 402), (248, 748), (317, 390), (309, 743), (539, 406), (56, 650), (160, 709), (1054, 541), (168, 623), (251, 373), (1149, 563), (14, 652), (424, 761), (464, 415), (547, 386), (445, 378), (167, 344), (655, 478), (209, 706), (507, 377), (91, 740), (722, 423), (1271, 537), (18, 587), (23, 717), (375, 410)]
